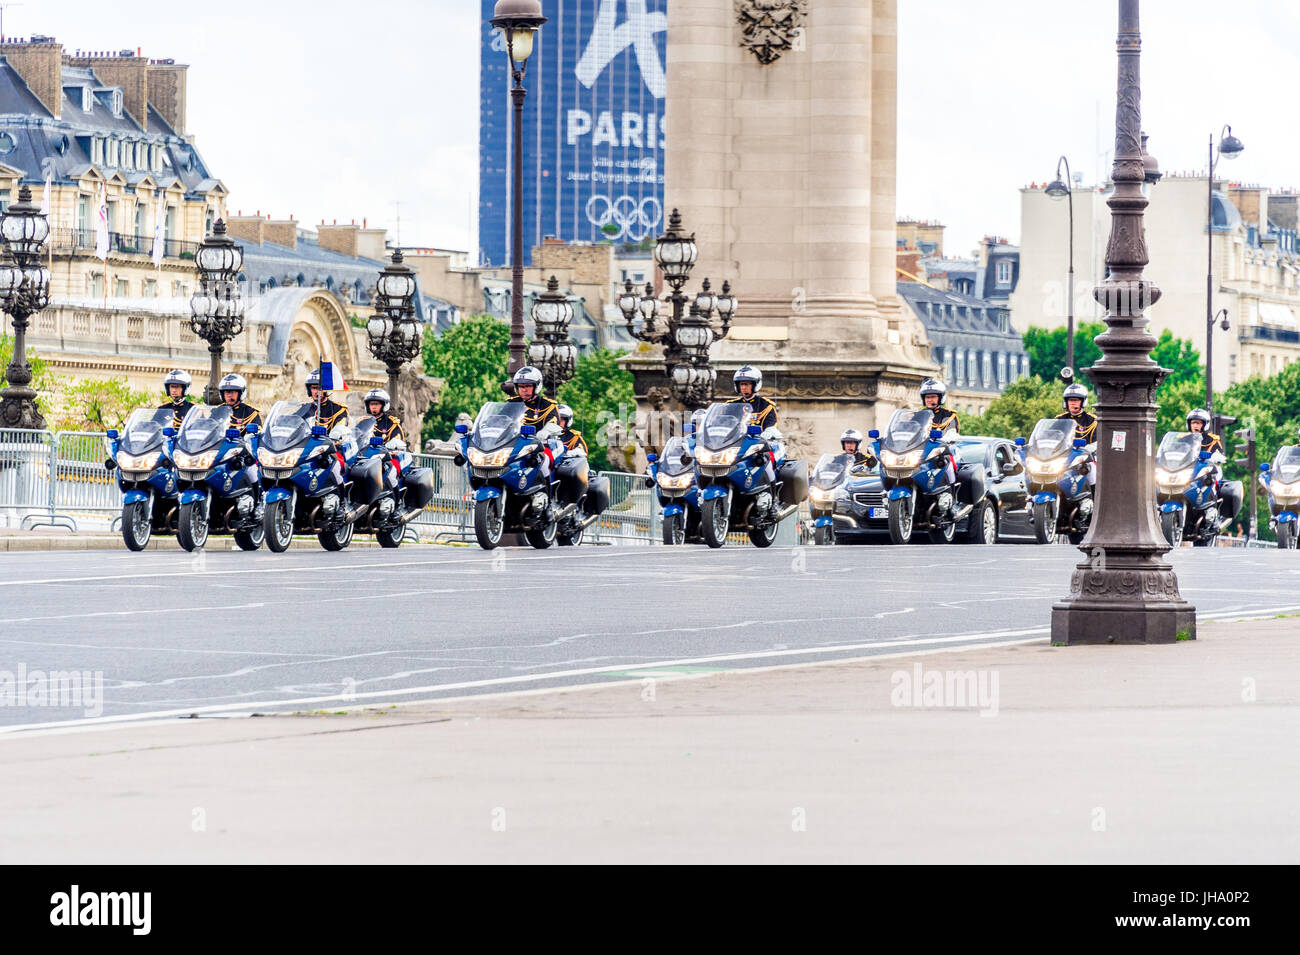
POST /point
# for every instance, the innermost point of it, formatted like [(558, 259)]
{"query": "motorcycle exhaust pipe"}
[(566, 512), (786, 512), (589, 520), (963, 512), (410, 515)]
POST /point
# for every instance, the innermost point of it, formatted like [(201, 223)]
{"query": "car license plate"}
[(877, 512)]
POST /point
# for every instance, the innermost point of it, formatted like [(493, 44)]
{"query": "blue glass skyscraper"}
[(593, 127)]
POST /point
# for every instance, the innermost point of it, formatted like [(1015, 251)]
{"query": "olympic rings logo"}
[(633, 220)]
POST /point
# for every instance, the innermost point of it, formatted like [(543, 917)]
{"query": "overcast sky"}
[(335, 110)]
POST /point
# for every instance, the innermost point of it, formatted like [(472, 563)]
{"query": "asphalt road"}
[(229, 632)]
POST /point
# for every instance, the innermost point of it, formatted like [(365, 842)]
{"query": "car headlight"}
[(1046, 467), (717, 459), (909, 459), (195, 462), (138, 462), (676, 482), (489, 459), (1173, 479), (280, 459)]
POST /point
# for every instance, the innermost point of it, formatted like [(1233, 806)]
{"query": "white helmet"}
[(1201, 415), (177, 377), (565, 414), (851, 434), (1075, 391), (528, 375), (233, 383), (377, 394), (933, 386), (747, 373)]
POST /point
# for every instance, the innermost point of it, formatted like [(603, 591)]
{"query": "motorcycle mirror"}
[(935, 434), (318, 431), (232, 434), (873, 434), (1205, 455), (376, 441), (754, 431), (169, 432), (1080, 443), (1020, 442), (528, 431), (253, 429), (652, 457), (112, 433), (462, 429)]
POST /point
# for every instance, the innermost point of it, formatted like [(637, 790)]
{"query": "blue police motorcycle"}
[(216, 471), (1282, 482), (141, 454), (830, 477), (1187, 490), (305, 478), (745, 482), (919, 472), (1056, 475), (512, 492), (673, 475), (386, 482)]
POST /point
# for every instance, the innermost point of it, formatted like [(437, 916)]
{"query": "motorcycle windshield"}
[(1052, 437), (670, 462), (498, 425), (288, 425), (143, 431), (203, 428), (365, 428), (724, 425), (830, 470), (1178, 450), (1286, 466), (908, 430)]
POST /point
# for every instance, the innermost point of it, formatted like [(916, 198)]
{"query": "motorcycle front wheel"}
[(1171, 522), (192, 526), (488, 522), (135, 525), (900, 520), (277, 526), (674, 530), (1045, 522), (1285, 536), (824, 535), (715, 521)]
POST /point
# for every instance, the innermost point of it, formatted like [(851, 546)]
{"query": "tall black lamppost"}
[(216, 309), (1064, 189), (551, 350), (518, 20), (1230, 147), (690, 330), (1125, 592), (393, 334), (24, 291)]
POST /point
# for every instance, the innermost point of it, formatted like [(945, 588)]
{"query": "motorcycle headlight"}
[(489, 459), (717, 459), (909, 459), (821, 495), (676, 482), (1173, 480), (1046, 468), (138, 462), (1286, 491), (280, 459), (195, 462)]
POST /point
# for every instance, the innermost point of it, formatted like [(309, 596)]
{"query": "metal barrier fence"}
[(27, 483)]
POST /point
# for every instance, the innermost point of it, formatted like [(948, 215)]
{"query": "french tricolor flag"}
[(331, 379)]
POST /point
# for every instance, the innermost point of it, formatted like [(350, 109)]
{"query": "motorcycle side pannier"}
[(970, 478), (793, 476), (597, 495), (367, 480), (419, 487)]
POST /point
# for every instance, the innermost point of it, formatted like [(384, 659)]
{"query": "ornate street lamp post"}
[(1125, 592), (216, 309), (551, 351), (1230, 147), (393, 333), (519, 21), (24, 291), (1064, 189), (690, 330)]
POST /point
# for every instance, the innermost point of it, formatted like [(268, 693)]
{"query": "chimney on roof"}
[(124, 70), (40, 64), (166, 80)]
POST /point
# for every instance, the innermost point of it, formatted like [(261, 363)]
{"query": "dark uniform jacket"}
[(179, 410), (943, 418), (242, 415), (331, 414), (1211, 442), (389, 428), (573, 440), (541, 410), (1085, 425), (764, 410)]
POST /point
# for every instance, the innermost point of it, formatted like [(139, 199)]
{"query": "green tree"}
[(599, 392), (1046, 348), (97, 404), (471, 358), (1014, 413), (42, 377)]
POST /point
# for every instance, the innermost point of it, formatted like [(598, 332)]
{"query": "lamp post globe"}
[(24, 291), (393, 333)]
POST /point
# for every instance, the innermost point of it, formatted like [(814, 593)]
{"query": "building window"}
[(150, 288), (97, 150), (1002, 370), (112, 153), (116, 101), (4, 199), (83, 213), (178, 289), (1004, 272), (120, 288), (87, 100), (110, 206), (169, 227), (141, 220), (96, 284), (986, 370), (971, 371)]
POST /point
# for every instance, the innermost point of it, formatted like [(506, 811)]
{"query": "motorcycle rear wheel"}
[(1171, 522), (1044, 523), (900, 520), (489, 523), (674, 530), (824, 535), (542, 537), (336, 538), (277, 526), (944, 533), (390, 537), (252, 538), (1285, 536), (715, 521), (192, 525), (763, 535), (135, 525)]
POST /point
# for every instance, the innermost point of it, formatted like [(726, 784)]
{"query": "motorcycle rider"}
[(176, 386), (1230, 492), (377, 403), (330, 413), (748, 381), (1075, 399), (851, 443), (540, 410), (573, 440), (933, 391), (232, 389)]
